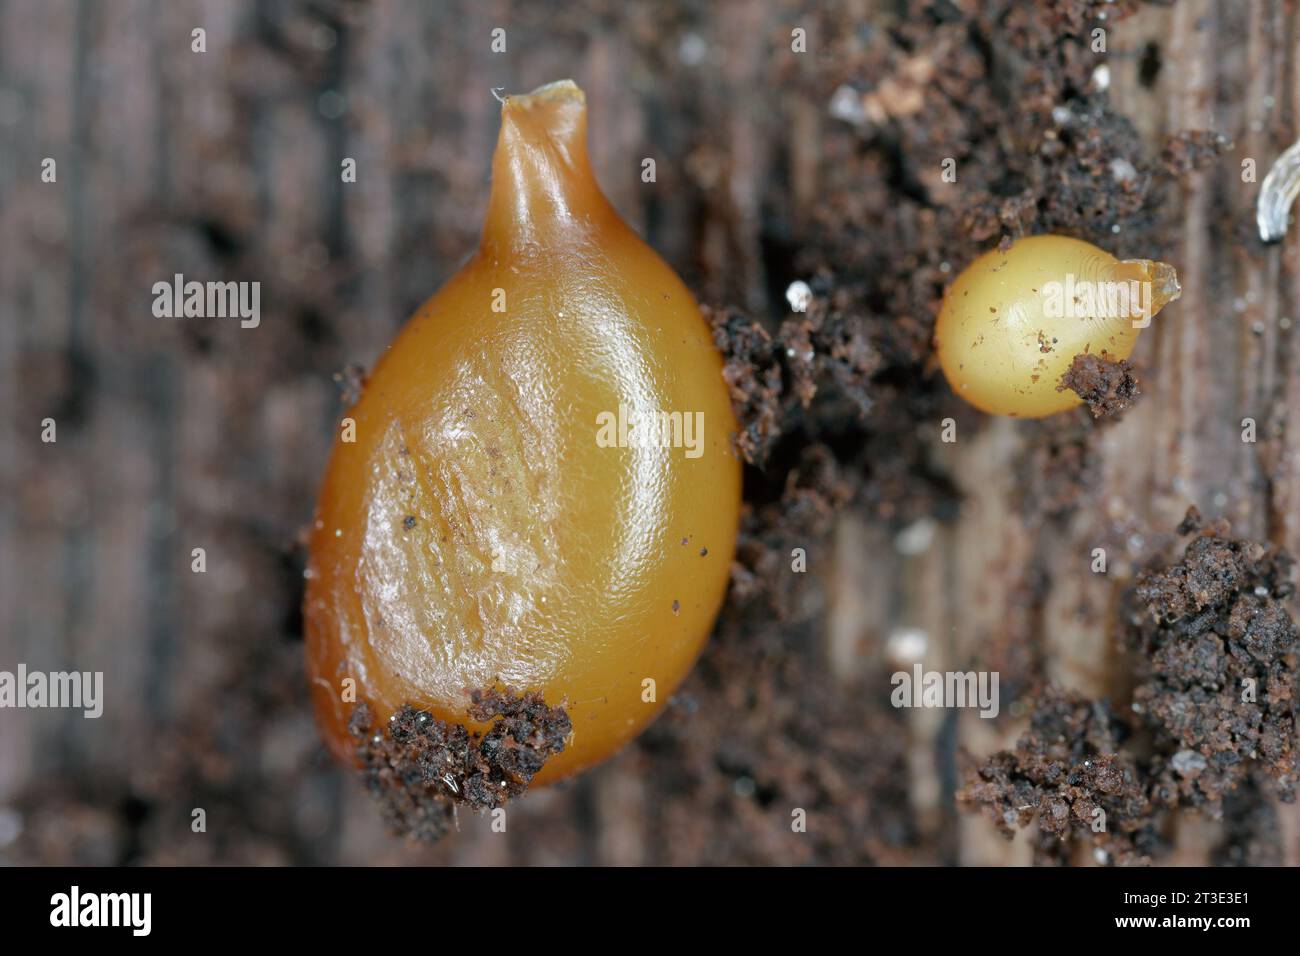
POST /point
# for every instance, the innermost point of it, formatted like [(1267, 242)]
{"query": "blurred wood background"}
[(176, 434)]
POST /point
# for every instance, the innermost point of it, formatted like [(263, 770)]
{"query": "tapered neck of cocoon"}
[(543, 190), (1162, 277)]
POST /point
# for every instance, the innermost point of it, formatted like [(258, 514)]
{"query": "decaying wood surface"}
[(176, 435), (1224, 352)]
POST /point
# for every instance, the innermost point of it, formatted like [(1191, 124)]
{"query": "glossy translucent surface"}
[(1005, 337), (477, 532)]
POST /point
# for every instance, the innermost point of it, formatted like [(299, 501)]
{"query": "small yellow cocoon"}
[(1013, 321)]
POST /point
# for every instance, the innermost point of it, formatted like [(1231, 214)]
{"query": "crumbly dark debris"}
[(1191, 150), (839, 406), (1064, 769), (759, 730), (421, 768), (1252, 834), (1056, 471), (1192, 521), (753, 375), (1212, 570), (815, 490), (1204, 631), (854, 374), (1107, 385), (1199, 630)]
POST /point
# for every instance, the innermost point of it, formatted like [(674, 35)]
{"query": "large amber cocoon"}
[(1013, 321), (482, 530)]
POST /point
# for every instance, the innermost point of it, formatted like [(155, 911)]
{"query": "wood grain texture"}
[(177, 434)]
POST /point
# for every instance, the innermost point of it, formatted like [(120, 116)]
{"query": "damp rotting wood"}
[(173, 436)]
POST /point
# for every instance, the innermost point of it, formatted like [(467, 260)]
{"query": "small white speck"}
[(1188, 763), (846, 105), (907, 644), (916, 538), (692, 49), (1122, 170), (799, 295)]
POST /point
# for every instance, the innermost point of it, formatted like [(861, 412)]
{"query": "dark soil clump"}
[(1067, 773), (1213, 645), (421, 768), (1107, 385)]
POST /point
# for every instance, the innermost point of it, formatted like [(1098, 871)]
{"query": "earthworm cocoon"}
[(1013, 321), (542, 493)]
